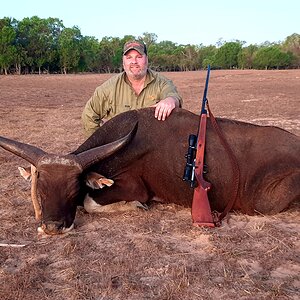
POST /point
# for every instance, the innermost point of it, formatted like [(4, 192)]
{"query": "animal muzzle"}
[(54, 228)]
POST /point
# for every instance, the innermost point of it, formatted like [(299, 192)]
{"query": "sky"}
[(193, 22)]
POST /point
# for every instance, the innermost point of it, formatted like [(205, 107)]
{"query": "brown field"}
[(154, 254)]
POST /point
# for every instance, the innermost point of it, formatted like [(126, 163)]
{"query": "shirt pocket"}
[(122, 108), (151, 100), (127, 107)]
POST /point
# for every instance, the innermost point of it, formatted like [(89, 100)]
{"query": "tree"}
[(110, 54), (89, 58), (206, 55), (227, 55), (54, 29), (148, 38), (246, 56), (8, 49), (38, 38), (271, 57), (292, 45), (69, 48), (45, 45), (189, 58), (164, 56)]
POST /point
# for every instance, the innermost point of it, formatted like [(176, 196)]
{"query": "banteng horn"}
[(30, 153), (91, 156)]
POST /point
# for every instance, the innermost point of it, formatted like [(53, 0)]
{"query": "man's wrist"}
[(176, 101)]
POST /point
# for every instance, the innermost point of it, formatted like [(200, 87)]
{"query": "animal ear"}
[(97, 181), (25, 172)]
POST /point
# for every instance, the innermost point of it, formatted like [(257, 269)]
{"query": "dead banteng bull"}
[(138, 158)]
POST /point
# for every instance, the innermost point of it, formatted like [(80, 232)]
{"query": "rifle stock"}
[(200, 208)]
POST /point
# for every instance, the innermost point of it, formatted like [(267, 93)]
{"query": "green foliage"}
[(206, 56), (148, 38), (291, 45), (45, 45), (37, 39), (271, 58), (89, 58), (69, 43), (164, 56), (227, 55), (246, 56), (110, 54), (7, 44)]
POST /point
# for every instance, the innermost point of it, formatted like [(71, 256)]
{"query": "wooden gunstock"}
[(201, 212)]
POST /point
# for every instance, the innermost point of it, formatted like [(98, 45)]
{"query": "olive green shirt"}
[(116, 96)]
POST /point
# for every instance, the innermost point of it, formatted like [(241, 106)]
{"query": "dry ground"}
[(154, 254)]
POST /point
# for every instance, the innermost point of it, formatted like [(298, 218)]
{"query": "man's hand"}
[(164, 108)]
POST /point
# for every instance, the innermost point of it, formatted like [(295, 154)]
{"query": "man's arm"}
[(171, 100), (90, 119), (94, 112)]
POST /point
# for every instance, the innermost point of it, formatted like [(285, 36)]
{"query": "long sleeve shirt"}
[(116, 95)]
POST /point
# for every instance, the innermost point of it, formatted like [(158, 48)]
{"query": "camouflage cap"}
[(139, 46)]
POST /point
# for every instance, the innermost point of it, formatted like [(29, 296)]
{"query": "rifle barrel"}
[(203, 109)]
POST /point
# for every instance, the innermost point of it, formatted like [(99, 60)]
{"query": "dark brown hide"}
[(58, 188), (152, 165)]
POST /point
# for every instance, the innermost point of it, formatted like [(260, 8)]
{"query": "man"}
[(136, 87)]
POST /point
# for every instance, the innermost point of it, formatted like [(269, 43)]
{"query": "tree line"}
[(36, 45)]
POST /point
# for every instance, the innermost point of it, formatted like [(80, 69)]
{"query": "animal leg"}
[(278, 191), (127, 193), (92, 206)]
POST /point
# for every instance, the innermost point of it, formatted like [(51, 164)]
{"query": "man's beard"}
[(141, 74)]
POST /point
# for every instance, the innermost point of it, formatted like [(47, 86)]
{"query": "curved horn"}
[(28, 152), (91, 156)]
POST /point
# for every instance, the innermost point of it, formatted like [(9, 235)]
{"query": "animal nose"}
[(52, 228)]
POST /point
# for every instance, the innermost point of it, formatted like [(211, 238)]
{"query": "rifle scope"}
[(190, 158)]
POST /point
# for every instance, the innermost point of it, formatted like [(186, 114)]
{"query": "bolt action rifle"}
[(194, 169)]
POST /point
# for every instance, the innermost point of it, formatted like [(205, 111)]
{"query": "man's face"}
[(135, 64)]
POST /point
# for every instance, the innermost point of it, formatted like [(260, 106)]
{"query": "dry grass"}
[(153, 254)]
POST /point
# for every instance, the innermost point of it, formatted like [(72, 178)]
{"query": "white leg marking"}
[(91, 206), (42, 233)]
